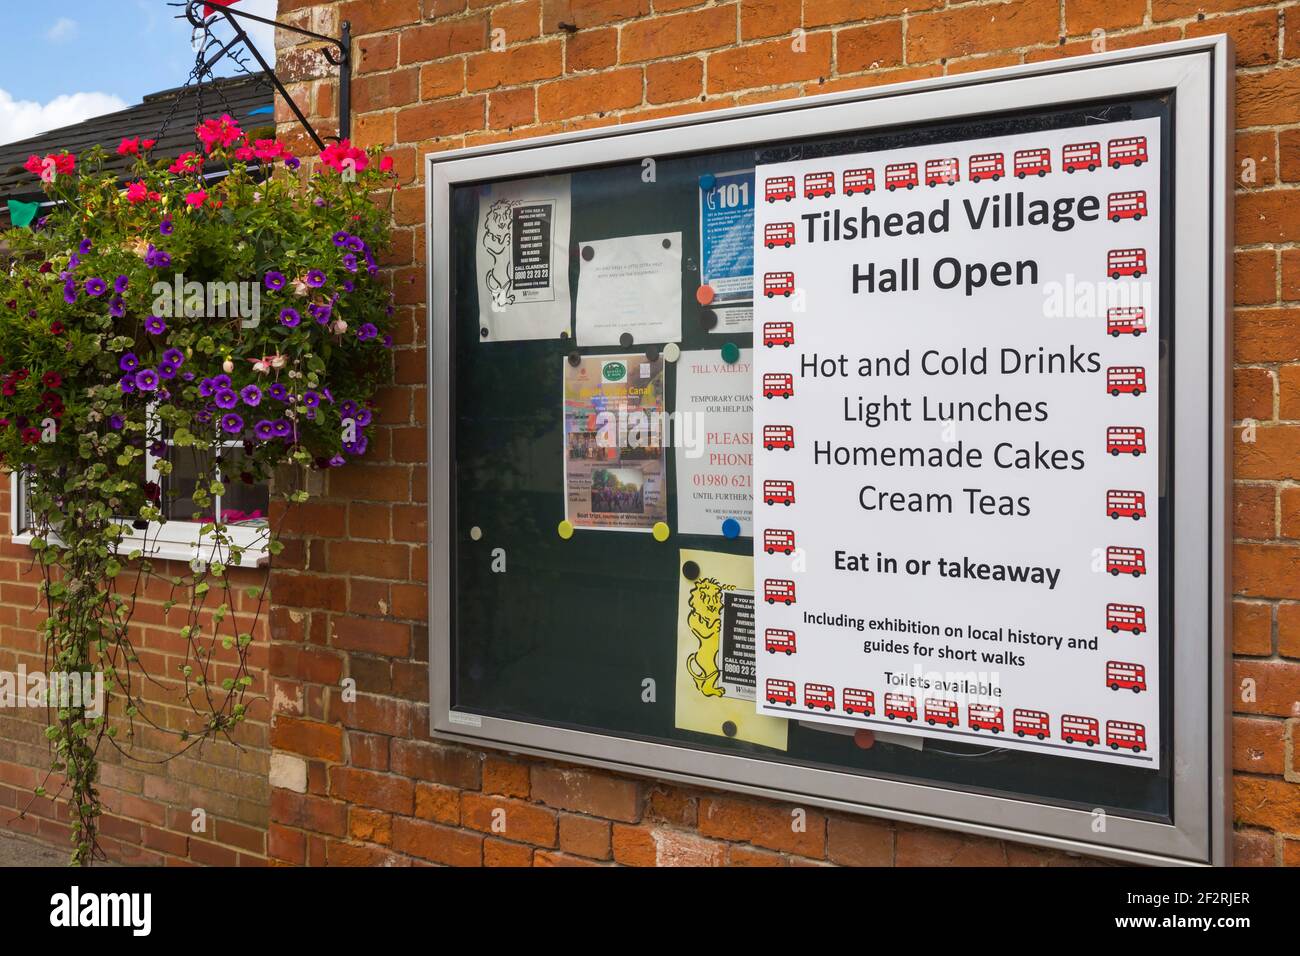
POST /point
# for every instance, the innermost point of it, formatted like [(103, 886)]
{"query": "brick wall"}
[(149, 793), (360, 781)]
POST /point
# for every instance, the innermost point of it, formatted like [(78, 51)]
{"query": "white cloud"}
[(64, 28), (20, 119)]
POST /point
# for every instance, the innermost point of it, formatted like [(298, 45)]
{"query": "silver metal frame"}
[(1198, 73)]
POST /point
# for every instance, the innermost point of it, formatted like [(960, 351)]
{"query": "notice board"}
[(852, 452)]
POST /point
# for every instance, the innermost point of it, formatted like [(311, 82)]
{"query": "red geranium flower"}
[(52, 379)]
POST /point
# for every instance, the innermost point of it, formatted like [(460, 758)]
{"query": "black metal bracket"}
[(338, 53)]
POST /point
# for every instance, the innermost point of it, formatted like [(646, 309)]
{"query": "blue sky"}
[(65, 60)]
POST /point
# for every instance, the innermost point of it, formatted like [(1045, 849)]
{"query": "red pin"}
[(704, 294)]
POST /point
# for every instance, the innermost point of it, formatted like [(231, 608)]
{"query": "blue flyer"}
[(727, 235)]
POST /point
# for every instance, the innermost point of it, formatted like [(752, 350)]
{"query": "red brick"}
[(437, 843), (510, 819), (515, 66), (859, 842), (674, 80), (505, 777), (1274, 687), (584, 14), (871, 47), (308, 738), (1266, 802), (1258, 746), (1252, 628), (1288, 630), (596, 93), (585, 836), (1254, 277), (1254, 506), (774, 826), (586, 792), (504, 853), (590, 50), (372, 636), (1254, 35), (437, 803), (768, 18), (660, 37), (918, 847), (769, 64), (1084, 16), (368, 789), (980, 27)]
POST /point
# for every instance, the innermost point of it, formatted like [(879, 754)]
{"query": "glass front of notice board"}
[(605, 325)]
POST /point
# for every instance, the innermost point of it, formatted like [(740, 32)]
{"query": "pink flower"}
[(129, 147), (386, 164), (137, 191), (33, 164), (245, 153), (63, 163), (215, 133), (343, 155), (196, 198), (186, 163), (268, 149)]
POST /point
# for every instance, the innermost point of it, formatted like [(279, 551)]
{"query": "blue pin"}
[(731, 528), (708, 181)]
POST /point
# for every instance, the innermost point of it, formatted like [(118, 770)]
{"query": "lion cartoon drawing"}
[(705, 621), (499, 279)]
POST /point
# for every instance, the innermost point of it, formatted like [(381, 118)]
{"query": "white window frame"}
[(171, 540)]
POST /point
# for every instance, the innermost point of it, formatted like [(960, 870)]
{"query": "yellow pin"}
[(660, 531), (565, 530)]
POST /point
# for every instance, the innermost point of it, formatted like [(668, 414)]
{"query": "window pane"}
[(243, 503)]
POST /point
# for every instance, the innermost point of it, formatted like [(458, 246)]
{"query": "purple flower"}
[(321, 313), (349, 262), (127, 383), (282, 428), (318, 202), (388, 341), (225, 398), (158, 449), (355, 244), (167, 370), (348, 408), (349, 285), (128, 362), (207, 387), (96, 286), (289, 317), (274, 281), (232, 424), (315, 278), (279, 392), (357, 447), (155, 325), (363, 417), (340, 238), (221, 381), (310, 399), (70, 292), (116, 307), (203, 416), (188, 376), (84, 247), (120, 284), (165, 227), (293, 162), (264, 430), (155, 258), (74, 260), (146, 380), (174, 357), (116, 422), (251, 394), (337, 461), (367, 332)]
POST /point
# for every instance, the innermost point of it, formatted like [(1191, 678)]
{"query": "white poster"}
[(714, 443), (966, 472), (630, 286), (522, 260)]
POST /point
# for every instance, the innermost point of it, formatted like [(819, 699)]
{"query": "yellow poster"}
[(715, 651)]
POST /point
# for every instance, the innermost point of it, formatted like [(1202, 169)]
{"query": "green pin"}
[(730, 353)]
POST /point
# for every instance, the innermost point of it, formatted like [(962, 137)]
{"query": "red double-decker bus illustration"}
[(778, 234), (939, 172), (900, 707), (1032, 162), (1126, 504), (1123, 674), (1126, 617), (1126, 262), (1129, 205), (900, 175), (778, 333), (818, 184), (1034, 723), (780, 691), (1126, 440), (778, 589), (986, 166), (1081, 156), (941, 712), (778, 283), (1126, 378), (777, 491), (859, 702), (1082, 729), (778, 539), (1121, 560), (1127, 151), (984, 717), (1130, 736), (778, 188), (778, 384), (819, 695), (777, 640), (859, 181), (778, 436), (1126, 320)]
